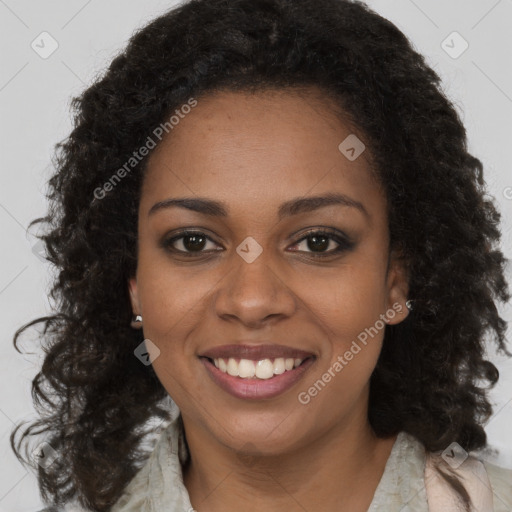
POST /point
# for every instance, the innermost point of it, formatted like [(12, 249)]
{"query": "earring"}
[(409, 304), (136, 321)]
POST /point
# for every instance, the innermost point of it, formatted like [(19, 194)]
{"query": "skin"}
[(254, 152)]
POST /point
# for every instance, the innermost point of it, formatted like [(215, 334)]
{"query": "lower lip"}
[(254, 388)]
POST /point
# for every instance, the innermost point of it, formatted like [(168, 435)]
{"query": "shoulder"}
[(501, 483), (70, 507), (489, 486), (161, 474)]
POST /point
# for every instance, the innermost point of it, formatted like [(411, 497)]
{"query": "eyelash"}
[(343, 243)]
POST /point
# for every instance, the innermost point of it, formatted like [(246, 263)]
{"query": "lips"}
[(256, 388), (255, 352)]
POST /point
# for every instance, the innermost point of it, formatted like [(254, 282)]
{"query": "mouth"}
[(259, 369), (256, 379)]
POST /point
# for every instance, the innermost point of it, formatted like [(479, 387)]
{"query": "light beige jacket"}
[(408, 483)]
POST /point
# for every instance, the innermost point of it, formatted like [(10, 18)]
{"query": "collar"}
[(159, 486)]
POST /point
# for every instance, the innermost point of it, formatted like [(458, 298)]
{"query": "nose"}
[(253, 293)]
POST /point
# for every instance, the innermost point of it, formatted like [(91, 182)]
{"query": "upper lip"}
[(255, 352)]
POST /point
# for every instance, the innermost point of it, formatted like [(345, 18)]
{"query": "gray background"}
[(34, 101)]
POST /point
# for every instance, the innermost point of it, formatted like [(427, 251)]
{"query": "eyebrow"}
[(295, 206)]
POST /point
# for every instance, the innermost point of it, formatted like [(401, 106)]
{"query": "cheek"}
[(349, 300), (354, 331), (168, 295)]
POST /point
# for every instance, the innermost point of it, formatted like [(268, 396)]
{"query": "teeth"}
[(279, 366), (232, 367), (263, 369), (246, 369)]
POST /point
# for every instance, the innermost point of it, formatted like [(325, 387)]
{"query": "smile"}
[(262, 369), (250, 379)]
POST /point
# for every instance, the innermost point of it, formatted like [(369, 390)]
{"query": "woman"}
[(267, 213)]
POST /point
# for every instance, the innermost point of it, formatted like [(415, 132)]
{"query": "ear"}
[(134, 296), (397, 288)]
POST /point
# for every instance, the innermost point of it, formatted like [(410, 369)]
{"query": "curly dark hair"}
[(94, 397)]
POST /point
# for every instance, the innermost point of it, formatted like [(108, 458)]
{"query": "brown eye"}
[(188, 243), (318, 243), (193, 242)]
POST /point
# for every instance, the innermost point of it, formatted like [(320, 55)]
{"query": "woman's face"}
[(257, 275)]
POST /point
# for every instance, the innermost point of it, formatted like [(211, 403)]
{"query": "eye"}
[(320, 240), (194, 243), (187, 243)]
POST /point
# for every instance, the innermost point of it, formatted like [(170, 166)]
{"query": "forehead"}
[(252, 149)]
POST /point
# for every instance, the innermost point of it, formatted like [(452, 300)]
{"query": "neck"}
[(340, 469)]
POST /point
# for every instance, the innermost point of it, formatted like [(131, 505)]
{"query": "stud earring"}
[(136, 321), (409, 304)]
